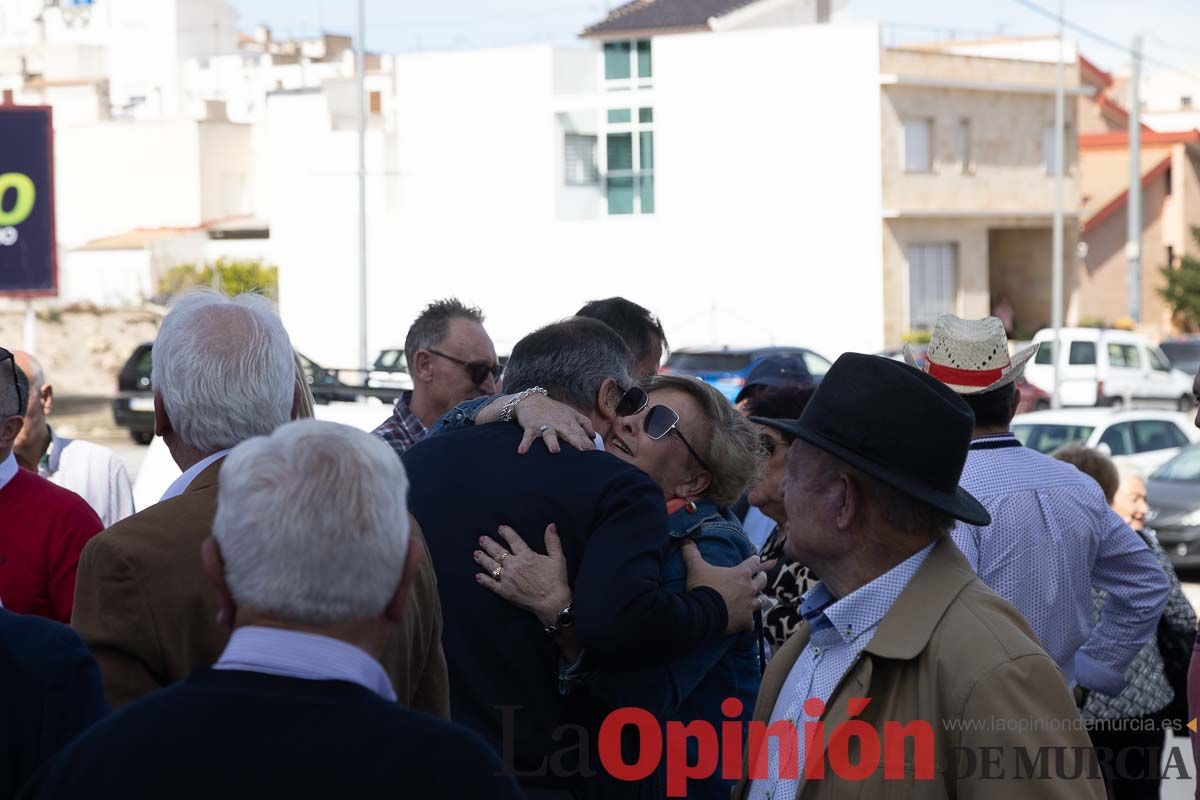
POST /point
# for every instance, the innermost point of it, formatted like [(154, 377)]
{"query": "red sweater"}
[(43, 529)]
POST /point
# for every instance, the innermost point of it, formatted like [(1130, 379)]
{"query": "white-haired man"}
[(223, 372), (311, 557), (91, 471)]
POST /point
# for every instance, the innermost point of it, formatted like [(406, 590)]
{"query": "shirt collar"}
[(309, 656), (8, 470), (862, 609), (406, 416), (182, 483), (599, 443), (52, 458)]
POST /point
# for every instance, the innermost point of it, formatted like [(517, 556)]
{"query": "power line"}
[(1066, 23)]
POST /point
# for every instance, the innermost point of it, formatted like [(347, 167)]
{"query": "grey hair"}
[(224, 368), (313, 523), (432, 326), (571, 360), (39, 374)]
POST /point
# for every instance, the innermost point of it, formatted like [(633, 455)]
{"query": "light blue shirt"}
[(309, 656), (1052, 540), (840, 631), (180, 484)]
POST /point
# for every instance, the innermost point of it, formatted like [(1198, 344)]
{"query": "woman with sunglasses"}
[(703, 454)]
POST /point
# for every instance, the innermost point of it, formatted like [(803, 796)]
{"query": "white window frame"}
[(634, 127), (955, 278), (588, 180), (633, 82), (929, 148)]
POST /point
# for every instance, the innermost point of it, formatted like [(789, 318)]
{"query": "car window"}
[(1181, 352), (143, 362), (1119, 439), (817, 366), (1158, 360), (1133, 356), (1157, 434), (1047, 438), (1116, 356), (1044, 355), (1183, 467), (391, 359), (1082, 353), (709, 362)]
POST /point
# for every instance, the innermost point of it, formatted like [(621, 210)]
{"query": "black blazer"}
[(612, 521), (235, 734), (50, 692)]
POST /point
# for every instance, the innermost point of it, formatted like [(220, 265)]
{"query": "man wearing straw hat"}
[(1053, 537)]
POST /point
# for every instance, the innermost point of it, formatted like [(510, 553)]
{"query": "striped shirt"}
[(1053, 539)]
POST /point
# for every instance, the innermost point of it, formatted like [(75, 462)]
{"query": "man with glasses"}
[(611, 520), (451, 359), (43, 527)]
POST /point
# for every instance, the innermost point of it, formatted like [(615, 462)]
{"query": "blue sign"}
[(28, 251)]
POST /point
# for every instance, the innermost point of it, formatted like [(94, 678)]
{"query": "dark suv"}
[(133, 407)]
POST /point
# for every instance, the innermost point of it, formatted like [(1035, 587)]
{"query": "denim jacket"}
[(462, 415), (693, 687)]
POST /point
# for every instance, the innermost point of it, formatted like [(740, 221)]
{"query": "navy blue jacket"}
[(612, 522), (50, 692), (235, 734)]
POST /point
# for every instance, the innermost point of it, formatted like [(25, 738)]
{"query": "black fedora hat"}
[(896, 424)]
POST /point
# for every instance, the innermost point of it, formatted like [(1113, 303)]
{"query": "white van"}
[(1102, 367)]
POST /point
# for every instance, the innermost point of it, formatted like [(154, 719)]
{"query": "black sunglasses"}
[(660, 420), (477, 371), (5, 355)]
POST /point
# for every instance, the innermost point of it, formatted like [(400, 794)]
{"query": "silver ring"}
[(496, 573), (542, 430)]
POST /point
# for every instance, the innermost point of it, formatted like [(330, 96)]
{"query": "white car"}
[(1145, 439), (1104, 367), (158, 470), (390, 371)]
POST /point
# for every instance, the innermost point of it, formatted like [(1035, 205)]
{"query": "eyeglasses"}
[(5, 355), (660, 420), (477, 371)]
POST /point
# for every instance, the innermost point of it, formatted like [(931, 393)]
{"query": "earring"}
[(690, 506)]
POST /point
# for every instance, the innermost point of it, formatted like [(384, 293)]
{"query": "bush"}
[(1182, 292), (232, 278)]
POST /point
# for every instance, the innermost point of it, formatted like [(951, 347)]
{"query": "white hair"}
[(224, 368), (1125, 471), (313, 523)]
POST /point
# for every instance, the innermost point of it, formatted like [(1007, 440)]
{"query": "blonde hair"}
[(732, 449), (1094, 464)]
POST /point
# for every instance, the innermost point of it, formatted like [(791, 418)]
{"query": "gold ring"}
[(496, 573), (503, 555)]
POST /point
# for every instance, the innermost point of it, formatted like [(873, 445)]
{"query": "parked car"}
[(390, 370), (133, 407), (1102, 367), (1143, 438), (1173, 493), (1184, 354), (727, 369)]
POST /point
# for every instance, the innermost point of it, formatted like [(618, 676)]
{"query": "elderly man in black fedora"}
[(900, 630)]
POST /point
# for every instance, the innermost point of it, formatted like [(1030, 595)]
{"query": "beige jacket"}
[(953, 653), (149, 615)]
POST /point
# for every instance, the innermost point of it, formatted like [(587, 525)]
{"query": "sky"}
[(406, 25)]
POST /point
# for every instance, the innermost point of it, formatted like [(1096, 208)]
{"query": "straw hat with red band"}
[(971, 355)]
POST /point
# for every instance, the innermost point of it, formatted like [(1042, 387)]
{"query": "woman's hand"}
[(545, 419), (528, 580)]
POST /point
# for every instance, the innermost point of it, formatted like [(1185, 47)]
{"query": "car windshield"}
[(1181, 352), (1046, 438), (391, 360), (709, 362), (1183, 467)]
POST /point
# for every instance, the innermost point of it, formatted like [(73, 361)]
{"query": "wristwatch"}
[(566, 618)]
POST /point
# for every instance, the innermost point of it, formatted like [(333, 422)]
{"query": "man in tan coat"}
[(909, 677), (223, 372)]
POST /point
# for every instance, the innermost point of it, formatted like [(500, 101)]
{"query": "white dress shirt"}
[(92, 472), (758, 526), (180, 485), (308, 656), (8, 470)]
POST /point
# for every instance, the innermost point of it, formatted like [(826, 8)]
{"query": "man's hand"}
[(549, 419), (740, 587)]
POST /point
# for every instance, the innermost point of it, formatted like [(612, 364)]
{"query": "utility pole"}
[(1056, 256), (1133, 245), (361, 66)]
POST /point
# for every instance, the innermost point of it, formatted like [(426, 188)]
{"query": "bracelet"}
[(506, 413)]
